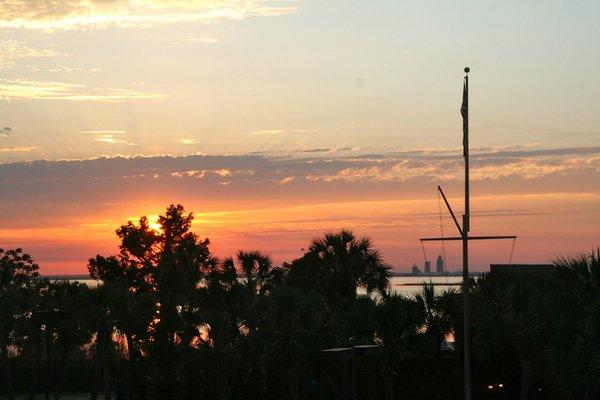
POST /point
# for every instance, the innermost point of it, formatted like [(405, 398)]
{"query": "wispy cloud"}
[(270, 132), (203, 40), (286, 180), (304, 130), (21, 149), (11, 50), (186, 141), (108, 137), (66, 69), (19, 89), (435, 166), (77, 14), (318, 150), (359, 171), (101, 132), (266, 132)]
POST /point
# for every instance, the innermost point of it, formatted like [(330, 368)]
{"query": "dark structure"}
[(415, 270), (356, 373), (539, 270), (439, 264), (427, 267)]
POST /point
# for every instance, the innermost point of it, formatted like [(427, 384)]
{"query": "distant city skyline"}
[(275, 121), (441, 267)]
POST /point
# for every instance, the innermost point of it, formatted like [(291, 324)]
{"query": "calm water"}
[(411, 285), (406, 285)]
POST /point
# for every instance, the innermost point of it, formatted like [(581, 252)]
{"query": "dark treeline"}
[(171, 321)]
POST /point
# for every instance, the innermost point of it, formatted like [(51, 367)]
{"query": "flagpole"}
[(465, 243), (464, 237)]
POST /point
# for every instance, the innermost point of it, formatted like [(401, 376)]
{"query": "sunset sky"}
[(277, 120)]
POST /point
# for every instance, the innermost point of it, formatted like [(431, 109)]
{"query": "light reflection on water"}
[(411, 285), (90, 282), (405, 285)]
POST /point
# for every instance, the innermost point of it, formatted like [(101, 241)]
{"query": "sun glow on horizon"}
[(220, 107), (154, 224), (394, 225)]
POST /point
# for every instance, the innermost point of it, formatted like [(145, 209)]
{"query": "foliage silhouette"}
[(17, 295), (435, 310), (338, 263), (168, 320)]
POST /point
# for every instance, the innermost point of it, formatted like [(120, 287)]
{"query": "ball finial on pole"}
[(467, 69)]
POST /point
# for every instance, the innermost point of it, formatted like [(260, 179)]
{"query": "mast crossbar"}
[(469, 238)]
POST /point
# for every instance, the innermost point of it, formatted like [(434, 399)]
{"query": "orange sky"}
[(65, 214), (277, 120)]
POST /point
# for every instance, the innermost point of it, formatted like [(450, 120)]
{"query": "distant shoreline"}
[(76, 277), (434, 274), (85, 277)]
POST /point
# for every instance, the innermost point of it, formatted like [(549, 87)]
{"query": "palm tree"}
[(583, 270), (398, 320), (434, 310), (256, 269), (339, 263), (575, 345)]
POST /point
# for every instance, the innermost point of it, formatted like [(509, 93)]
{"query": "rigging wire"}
[(442, 229), (423, 248), (512, 250)]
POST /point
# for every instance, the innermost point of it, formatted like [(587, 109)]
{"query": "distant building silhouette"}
[(533, 270), (439, 264), (415, 269), (427, 267)]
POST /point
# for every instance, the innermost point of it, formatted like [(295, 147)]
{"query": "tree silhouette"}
[(168, 265), (256, 270), (338, 263), (509, 322), (17, 292), (398, 320), (170, 321), (66, 324), (434, 311), (575, 323)]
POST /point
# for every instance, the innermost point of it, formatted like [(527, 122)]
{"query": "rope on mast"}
[(512, 250), (442, 228), (423, 248)]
